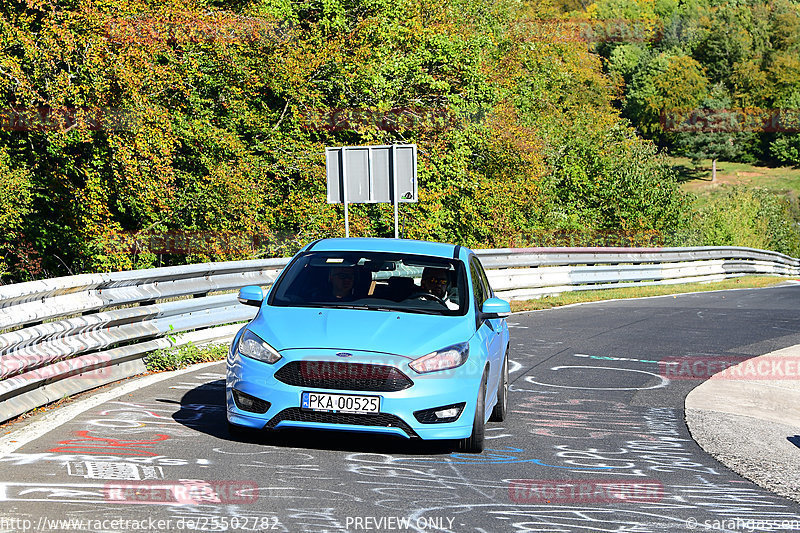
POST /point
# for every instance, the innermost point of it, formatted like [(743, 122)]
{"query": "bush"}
[(786, 149), (616, 182), (183, 356), (747, 217)]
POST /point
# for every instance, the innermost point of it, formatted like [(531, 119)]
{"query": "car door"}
[(498, 325), (487, 330)]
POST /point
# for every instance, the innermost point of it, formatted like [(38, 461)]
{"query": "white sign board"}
[(371, 174)]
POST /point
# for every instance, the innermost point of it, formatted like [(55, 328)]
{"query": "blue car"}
[(384, 336)]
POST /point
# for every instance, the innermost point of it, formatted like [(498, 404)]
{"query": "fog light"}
[(439, 415), (447, 413), (245, 402)]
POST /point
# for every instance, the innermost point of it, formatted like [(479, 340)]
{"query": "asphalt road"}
[(596, 441)]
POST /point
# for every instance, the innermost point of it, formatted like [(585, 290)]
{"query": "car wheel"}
[(500, 410), (474, 443)]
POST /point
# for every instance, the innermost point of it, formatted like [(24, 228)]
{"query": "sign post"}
[(372, 174)]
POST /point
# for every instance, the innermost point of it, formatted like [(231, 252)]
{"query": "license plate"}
[(340, 403)]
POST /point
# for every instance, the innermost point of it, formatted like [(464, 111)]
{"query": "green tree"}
[(666, 84), (228, 107), (715, 132), (786, 148), (16, 254)]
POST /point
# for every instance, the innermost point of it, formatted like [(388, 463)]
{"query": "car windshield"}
[(373, 280)]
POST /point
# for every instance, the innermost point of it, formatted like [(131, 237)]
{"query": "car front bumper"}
[(428, 391)]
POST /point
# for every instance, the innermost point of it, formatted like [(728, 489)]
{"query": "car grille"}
[(343, 376), (378, 420)]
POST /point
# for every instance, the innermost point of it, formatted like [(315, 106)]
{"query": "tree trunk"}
[(713, 171)]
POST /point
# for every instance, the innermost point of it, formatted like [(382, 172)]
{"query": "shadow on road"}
[(203, 409)]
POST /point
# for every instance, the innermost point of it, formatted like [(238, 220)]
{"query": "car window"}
[(373, 280), (477, 284), (487, 288)]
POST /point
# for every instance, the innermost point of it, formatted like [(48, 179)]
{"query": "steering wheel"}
[(426, 296)]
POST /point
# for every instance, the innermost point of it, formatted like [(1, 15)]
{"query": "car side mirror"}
[(496, 308), (251, 295)]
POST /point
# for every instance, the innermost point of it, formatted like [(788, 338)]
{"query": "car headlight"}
[(254, 347), (443, 359)]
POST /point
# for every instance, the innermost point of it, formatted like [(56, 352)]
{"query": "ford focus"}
[(385, 336)]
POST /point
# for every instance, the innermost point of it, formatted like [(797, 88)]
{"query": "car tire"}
[(474, 443), (500, 410)]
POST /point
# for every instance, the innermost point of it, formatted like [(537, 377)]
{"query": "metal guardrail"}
[(530, 273), (66, 335)]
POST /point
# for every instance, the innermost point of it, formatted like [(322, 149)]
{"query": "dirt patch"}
[(722, 179), (745, 174)]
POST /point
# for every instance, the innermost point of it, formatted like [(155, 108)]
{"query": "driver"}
[(435, 281), (341, 282)]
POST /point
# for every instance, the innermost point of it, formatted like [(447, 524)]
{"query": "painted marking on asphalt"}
[(663, 382), (489, 455), (607, 358), (15, 440)]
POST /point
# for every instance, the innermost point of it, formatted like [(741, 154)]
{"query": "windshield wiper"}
[(419, 311), (339, 306), (415, 310), (382, 308), (363, 307)]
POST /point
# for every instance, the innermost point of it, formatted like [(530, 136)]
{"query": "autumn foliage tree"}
[(210, 117)]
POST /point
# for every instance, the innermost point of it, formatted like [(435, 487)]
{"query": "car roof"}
[(407, 246)]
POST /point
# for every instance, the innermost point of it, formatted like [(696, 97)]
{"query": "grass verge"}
[(183, 356), (697, 179), (546, 302)]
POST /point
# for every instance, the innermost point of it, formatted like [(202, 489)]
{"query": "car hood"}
[(406, 334)]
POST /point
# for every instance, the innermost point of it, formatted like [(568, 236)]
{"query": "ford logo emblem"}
[(344, 354)]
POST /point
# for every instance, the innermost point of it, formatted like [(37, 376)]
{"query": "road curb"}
[(752, 426)]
